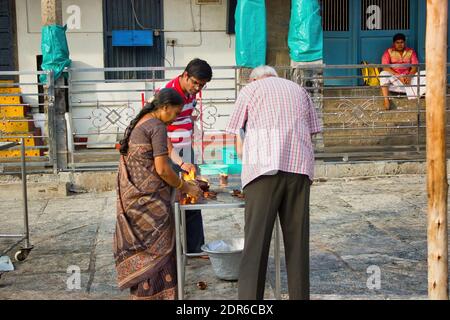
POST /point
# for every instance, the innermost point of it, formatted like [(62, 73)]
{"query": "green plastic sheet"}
[(250, 28), (305, 39), (55, 52)]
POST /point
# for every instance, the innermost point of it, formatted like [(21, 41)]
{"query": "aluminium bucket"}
[(225, 257)]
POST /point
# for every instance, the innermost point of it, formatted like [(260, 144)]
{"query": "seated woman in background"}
[(144, 239)]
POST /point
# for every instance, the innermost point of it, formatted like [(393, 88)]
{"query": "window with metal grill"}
[(385, 15), (7, 40), (335, 15), (121, 15)]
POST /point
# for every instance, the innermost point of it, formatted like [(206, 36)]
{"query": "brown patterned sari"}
[(144, 240)]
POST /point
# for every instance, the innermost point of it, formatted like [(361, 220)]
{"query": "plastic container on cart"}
[(231, 164)]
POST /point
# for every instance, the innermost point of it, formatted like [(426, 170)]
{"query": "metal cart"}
[(224, 201), (22, 254)]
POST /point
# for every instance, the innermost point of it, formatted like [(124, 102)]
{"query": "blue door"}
[(338, 32), (369, 30), (380, 21)]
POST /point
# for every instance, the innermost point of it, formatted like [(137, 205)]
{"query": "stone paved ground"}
[(355, 224)]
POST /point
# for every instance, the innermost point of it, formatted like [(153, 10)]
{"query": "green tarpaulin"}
[(55, 52), (305, 38), (250, 28)]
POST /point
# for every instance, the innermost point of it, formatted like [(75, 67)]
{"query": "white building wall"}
[(201, 35), (85, 43), (211, 44)]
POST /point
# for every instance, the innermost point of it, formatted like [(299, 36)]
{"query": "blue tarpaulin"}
[(55, 52), (250, 28), (305, 38)]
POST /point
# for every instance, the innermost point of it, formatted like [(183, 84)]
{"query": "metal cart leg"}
[(23, 253), (184, 238), (25, 196), (183, 247), (180, 264), (277, 260)]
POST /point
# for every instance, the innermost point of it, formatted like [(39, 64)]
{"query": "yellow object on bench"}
[(370, 75)]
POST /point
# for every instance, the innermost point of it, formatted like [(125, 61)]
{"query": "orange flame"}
[(189, 176)]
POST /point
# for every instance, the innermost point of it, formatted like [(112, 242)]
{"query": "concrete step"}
[(10, 154), (29, 142), (350, 119), (17, 125), (8, 100), (375, 104), (13, 111), (356, 118), (9, 90), (355, 91)]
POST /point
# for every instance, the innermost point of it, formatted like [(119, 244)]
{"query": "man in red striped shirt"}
[(193, 79)]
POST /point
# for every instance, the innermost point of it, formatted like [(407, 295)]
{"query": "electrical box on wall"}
[(132, 38), (171, 42)]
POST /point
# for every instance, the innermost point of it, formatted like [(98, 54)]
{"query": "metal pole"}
[(184, 239), (179, 253), (24, 194), (153, 82)]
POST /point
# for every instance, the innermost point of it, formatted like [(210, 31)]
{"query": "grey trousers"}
[(285, 194)]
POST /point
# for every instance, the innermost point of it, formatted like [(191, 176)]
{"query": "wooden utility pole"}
[(436, 60), (51, 13)]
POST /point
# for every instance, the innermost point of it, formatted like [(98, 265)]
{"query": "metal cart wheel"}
[(21, 255)]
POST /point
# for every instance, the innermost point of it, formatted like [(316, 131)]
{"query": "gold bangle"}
[(180, 185)]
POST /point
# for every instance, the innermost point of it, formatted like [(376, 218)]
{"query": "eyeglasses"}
[(197, 84)]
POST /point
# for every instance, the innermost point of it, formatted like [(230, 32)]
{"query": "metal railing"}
[(355, 125), (26, 112), (101, 109)]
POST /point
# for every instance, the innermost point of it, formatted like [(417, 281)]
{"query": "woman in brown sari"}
[(144, 240)]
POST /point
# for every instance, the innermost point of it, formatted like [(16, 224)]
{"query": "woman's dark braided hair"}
[(165, 97)]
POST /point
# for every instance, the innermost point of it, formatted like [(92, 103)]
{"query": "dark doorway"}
[(7, 38)]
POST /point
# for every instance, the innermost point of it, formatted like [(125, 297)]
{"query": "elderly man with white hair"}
[(278, 119)]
